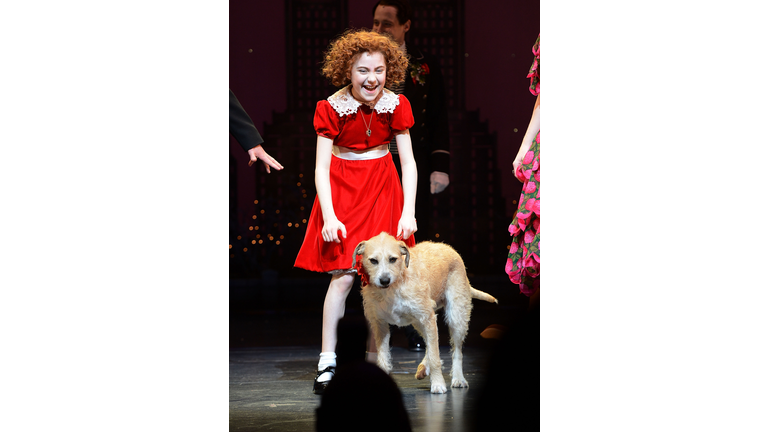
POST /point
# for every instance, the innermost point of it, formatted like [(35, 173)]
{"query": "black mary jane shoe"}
[(319, 387)]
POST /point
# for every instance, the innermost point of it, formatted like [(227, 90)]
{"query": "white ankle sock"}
[(326, 359)]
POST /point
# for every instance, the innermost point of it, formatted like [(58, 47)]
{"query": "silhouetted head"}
[(362, 397)]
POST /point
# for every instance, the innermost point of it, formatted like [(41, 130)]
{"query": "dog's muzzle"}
[(384, 282)]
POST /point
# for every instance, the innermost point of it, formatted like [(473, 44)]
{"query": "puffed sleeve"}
[(326, 120), (402, 118)]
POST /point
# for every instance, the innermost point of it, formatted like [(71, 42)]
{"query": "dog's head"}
[(384, 259)]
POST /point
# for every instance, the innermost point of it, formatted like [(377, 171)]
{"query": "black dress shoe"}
[(416, 344), (319, 387)]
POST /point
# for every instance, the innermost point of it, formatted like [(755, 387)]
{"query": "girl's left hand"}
[(517, 167), (406, 227)]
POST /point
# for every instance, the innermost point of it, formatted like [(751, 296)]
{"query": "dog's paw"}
[(439, 389), (421, 372), (459, 383)]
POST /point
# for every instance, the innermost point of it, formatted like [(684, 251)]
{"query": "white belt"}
[(371, 153)]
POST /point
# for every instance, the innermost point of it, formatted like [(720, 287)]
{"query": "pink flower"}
[(510, 267), (513, 248), (536, 257), (535, 165), (536, 224), (537, 207), (519, 174), (529, 204), (529, 235), (537, 176), (528, 158), (527, 174), (529, 187)]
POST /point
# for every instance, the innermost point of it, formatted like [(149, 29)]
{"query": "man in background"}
[(425, 91)]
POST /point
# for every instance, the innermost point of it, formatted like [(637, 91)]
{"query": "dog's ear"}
[(404, 251), (358, 251)]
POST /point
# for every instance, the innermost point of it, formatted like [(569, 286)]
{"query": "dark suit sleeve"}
[(241, 126), (437, 109)]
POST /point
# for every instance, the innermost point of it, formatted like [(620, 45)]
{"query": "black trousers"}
[(409, 331)]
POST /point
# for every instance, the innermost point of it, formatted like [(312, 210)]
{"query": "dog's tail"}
[(483, 296)]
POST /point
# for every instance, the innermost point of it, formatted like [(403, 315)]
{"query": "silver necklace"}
[(367, 125)]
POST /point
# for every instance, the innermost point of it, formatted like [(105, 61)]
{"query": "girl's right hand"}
[(331, 230)]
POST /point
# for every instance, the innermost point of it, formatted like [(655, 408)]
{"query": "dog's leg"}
[(457, 371), (458, 323), (381, 334), (432, 365), (423, 370), (458, 307)]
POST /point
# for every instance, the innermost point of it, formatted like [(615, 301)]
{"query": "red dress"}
[(367, 195)]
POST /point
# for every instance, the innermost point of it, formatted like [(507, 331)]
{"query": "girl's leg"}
[(333, 311), (333, 308)]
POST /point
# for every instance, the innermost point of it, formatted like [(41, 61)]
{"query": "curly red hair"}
[(347, 48)]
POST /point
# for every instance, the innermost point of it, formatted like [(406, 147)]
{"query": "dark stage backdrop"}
[(275, 51)]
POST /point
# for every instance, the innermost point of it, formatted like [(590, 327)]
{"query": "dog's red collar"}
[(361, 271)]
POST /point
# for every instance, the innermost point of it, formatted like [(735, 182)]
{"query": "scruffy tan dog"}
[(407, 286)]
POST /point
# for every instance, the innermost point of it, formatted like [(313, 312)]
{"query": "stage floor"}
[(275, 345), (270, 389)]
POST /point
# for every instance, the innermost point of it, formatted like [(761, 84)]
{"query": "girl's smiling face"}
[(368, 75)]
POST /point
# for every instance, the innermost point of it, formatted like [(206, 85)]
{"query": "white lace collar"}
[(344, 104)]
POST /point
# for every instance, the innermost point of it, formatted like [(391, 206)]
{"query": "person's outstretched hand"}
[(257, 153)]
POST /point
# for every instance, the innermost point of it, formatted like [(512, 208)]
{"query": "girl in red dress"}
[(359, 194)]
